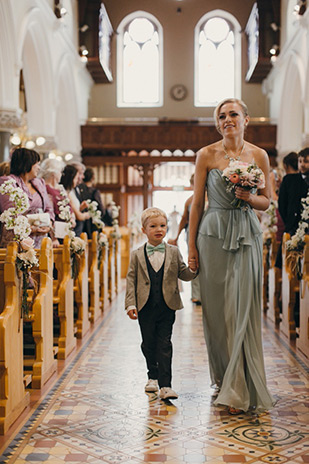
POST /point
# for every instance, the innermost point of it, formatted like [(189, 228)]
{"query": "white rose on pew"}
[(28, 257), (102, 240), (27, 243), (77, 245)]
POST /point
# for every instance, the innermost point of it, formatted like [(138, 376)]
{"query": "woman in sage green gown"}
[(226, 245)]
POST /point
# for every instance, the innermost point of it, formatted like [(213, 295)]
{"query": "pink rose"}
[(27, 243)]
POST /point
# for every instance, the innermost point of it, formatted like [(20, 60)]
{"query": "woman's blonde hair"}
[(150, 213), (242, 105)]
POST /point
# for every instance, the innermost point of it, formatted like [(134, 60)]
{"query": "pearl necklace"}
[(230, 158)]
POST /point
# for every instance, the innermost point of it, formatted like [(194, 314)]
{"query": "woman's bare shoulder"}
[(209, 151), (256, 151), (207, 155), (259, 155)]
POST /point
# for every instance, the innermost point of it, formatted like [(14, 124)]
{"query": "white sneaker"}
[(167, 393), (151, 386)]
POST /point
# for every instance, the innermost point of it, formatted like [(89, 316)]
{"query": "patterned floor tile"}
[(99, 412)]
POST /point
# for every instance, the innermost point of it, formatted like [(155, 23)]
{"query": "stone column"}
[(9, 120), (4, 146)]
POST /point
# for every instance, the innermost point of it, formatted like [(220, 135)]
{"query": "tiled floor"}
[(98, 411)]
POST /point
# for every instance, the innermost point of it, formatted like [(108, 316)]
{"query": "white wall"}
[(57, 83), (287, 86), (178, 42)]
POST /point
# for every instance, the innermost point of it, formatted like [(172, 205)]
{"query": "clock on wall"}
[(179, 92)]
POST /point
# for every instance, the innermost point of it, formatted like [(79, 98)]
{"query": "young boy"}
[(152, 297)]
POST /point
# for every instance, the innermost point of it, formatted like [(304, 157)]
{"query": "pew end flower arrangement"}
[(14, 220), (245, 175), (77, 245), (95, 215), (269, 223), (295, 246), (115, 215), (134, 224)]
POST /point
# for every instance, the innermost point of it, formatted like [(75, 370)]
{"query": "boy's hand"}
[(132, 314)]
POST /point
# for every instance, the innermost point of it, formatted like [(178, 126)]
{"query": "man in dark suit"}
[(293, 188)]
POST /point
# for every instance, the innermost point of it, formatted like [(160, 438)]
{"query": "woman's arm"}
[(260, 200), (78, 214), (197, 206), (75, 205)]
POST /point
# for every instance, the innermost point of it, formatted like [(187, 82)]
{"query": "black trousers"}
[(156, 324)]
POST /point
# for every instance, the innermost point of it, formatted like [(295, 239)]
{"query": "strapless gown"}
[(230, 254)]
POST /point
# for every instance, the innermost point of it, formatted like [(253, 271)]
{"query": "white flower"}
[(102, 239), (77, 245), (297, 241), (95, 214), (27, 243), (28, 257)]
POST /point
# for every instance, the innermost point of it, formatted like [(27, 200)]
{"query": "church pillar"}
[(147, 185), (4, 145), (9, 120)]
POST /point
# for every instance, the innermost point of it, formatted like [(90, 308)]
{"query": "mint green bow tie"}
[(151, 249)]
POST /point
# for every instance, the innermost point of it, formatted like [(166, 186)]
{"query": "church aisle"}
[(99, 412)]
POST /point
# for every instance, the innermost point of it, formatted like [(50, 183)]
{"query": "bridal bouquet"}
[(245, 175)]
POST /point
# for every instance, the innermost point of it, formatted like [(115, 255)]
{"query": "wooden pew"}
[(94, 278), (274, 283), (302, 343), (81, 289), (43, 364), (104, 292), (111, 263), (290, 287), (117, 265), (13, 397), (64, 299), (125, 242)]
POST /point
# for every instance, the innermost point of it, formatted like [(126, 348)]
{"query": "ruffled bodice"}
[(233, 225)]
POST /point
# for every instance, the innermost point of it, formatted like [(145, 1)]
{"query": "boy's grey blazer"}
[(138, 282)]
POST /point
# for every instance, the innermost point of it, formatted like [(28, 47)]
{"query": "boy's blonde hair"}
[(150, 213)]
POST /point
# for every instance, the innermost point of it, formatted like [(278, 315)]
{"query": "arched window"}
[(139, 61), (217, 58)]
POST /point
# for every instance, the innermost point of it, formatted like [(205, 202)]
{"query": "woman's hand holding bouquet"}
[(243, 179)]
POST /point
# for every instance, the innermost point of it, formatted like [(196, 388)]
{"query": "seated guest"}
[(89, 192), (25, 166), (51, 171), (77, 192), (69, 181), (107, 218), (293, 189)]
